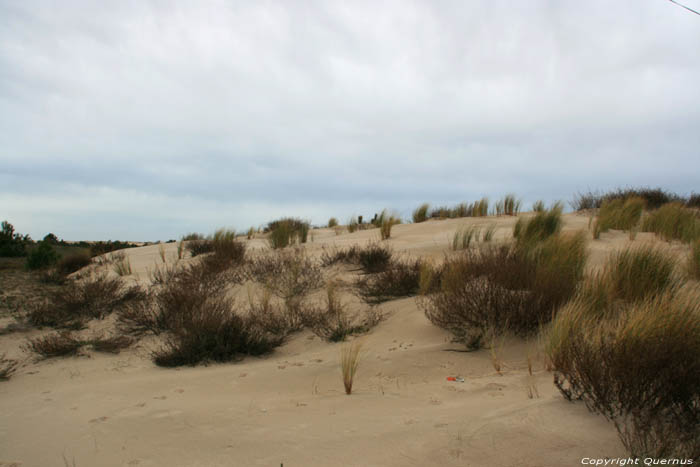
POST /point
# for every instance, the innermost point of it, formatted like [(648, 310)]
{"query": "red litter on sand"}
[(457, 379)]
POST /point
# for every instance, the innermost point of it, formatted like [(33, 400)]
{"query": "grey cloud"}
[(240, 111)]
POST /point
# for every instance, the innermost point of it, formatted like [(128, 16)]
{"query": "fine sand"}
[(289, 407)]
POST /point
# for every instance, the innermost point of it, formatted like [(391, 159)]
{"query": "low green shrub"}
[(462, 238)]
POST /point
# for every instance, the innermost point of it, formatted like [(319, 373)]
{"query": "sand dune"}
[(289, 407)]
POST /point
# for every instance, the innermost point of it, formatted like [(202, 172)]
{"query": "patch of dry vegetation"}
[(8, 367), (628, 345), (91, 297), (513, 287)]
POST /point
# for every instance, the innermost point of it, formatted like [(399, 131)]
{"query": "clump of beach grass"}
[(421, 213), (122, 266), (462, 238), (673, 221), (161, 252), (540, 227), (489, 233), (349, 363), (180, 249), (287, 231), (632, 274), (619, 214)]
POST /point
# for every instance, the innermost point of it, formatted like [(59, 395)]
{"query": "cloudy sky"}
[(146, 120)]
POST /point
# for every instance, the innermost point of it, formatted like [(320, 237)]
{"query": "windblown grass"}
[(122, 266), (619, 214), (421, 213), (462, 238), (489, 233), (633, 274), (540, 227), (638, 364), (673, 221), (511, 205)]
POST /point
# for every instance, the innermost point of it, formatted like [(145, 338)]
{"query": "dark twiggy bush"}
[(334, 322), (213, 332), (55, 344), (398, 279), (7, 367), (290, 275), (114, 344), (92, 297)]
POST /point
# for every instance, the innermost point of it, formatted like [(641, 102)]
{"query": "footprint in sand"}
[(161, 398), (10, 464), (99, 419), (281, 367), (179, 391), (141, 404)]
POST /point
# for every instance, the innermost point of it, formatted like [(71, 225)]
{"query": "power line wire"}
[(683, 6)]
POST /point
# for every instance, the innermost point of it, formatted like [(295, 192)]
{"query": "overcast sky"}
[(146, 120)]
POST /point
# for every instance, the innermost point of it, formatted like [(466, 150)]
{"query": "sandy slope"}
[(290, 408)]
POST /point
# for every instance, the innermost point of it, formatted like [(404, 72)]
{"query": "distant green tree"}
[(51, 238), (42, 256), (12, 244)]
